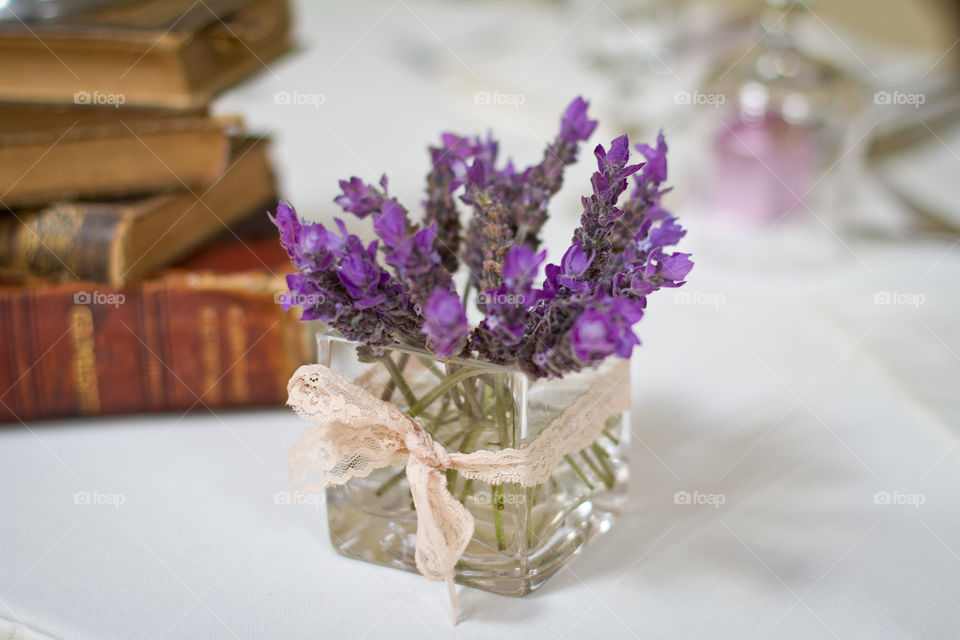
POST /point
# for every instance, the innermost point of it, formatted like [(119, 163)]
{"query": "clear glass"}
[(783, 136), (522, 535)]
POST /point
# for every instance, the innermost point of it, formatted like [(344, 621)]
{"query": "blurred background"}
[(139, 135), (815, 351)]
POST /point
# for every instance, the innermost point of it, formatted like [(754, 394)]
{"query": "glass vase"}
[(522, 535)]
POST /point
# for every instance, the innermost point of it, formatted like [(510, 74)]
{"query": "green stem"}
[(612, 438), (529, 495), (466, 446), (579, 471), (496, 491), (471, 394), (450, 381), (466, 291), (593, 466), (608, 481), (389, 484), (397, 376), (608, 476), (433, 368), (504, 429), (502, 425), (466, 490)]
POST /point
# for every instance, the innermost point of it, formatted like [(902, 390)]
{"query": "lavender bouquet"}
[(527, 360)]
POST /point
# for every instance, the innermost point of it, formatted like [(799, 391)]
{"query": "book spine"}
[(76, 241), (74, 349)]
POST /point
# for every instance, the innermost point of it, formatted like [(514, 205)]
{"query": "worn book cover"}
[(160, 53), (51, 153), (120, 241)]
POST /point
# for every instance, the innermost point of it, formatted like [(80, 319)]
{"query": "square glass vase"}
[(523, 535)]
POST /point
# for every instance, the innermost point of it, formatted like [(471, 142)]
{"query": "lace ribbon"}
[(356, 432)]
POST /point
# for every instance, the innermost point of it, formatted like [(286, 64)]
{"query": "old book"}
[(164, 53), (50, 153), (183, 340), (121, 241)]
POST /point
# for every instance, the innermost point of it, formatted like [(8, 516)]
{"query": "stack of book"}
[(138, 268)]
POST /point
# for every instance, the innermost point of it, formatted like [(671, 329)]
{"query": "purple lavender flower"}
[(520, 267), (446, 323), (490, 235), (575, 126), (289, 225), (390, 223), (523, 197), (583, 334), (447, 172), (541, 182), (411, 252), (655, 171), (508, 306), (610, 180), (666, 234), (361, 276), (575, 261), (360, 198), (644, 202), (584, 310), (588, 303), (340, 283), (568, 276), (674, 267), (593, 336), (600, 215)]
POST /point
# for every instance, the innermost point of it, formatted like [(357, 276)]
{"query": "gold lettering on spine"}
[(84, 359), (152, 337), (20, 352), (237, 343), (210, 355)]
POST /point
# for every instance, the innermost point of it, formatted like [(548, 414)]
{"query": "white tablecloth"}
[(820, 421)]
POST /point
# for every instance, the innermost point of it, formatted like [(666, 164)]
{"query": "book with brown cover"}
[(54, 152), (185, 339), (163, 53), (121, 241)]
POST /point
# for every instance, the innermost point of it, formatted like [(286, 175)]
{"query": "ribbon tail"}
[(452, 592), (444, 526)]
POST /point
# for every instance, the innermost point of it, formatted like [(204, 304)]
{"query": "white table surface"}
[(786, 392)]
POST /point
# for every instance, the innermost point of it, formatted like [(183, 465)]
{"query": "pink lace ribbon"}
[(355, 433)]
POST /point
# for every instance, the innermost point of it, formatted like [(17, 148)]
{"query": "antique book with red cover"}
[(207, 334)]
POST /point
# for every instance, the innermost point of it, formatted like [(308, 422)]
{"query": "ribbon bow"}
[(356, 432)]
